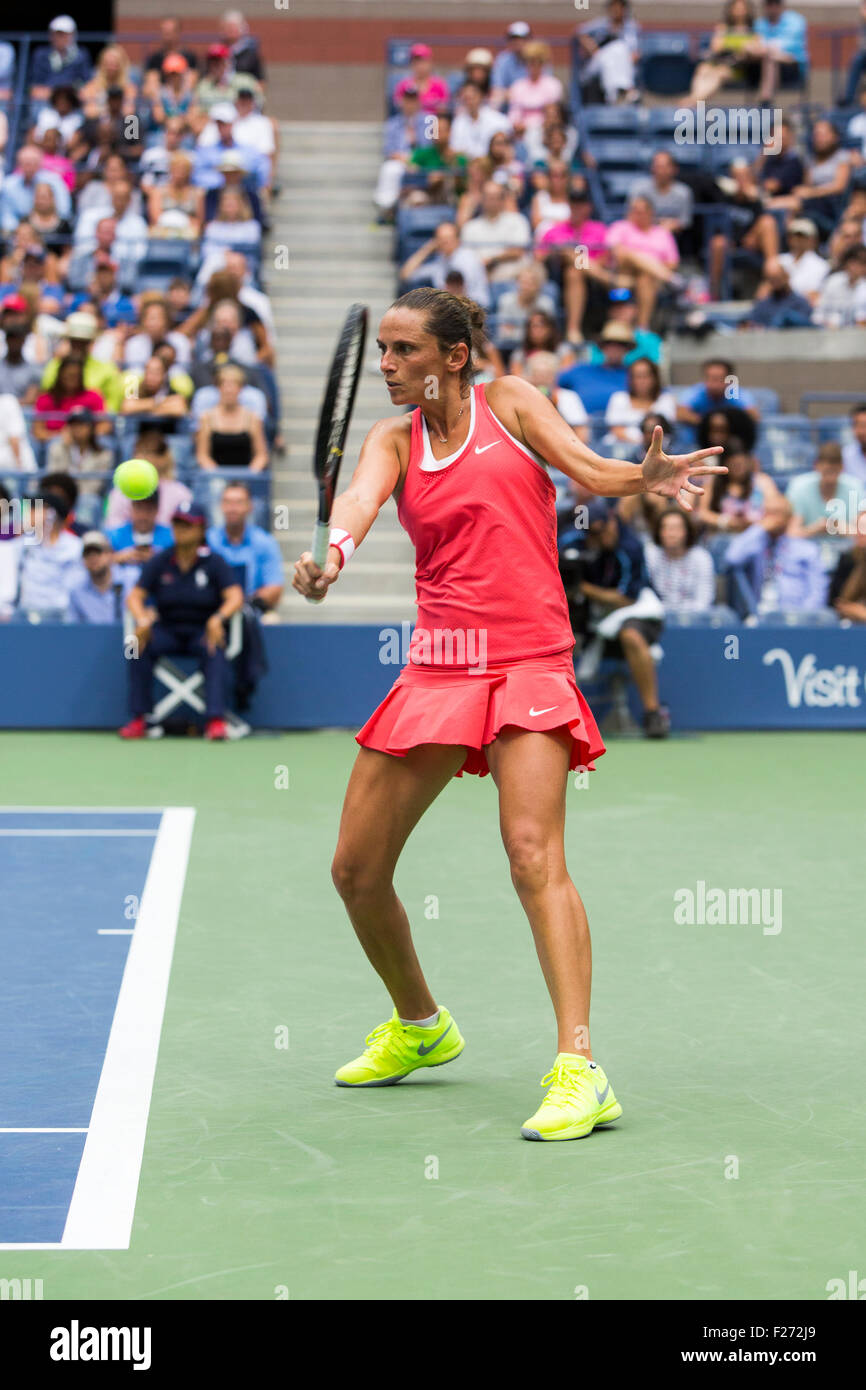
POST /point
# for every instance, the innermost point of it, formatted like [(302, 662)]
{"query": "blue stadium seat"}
[(611, 120), (785, 617), (619, 154), (617, 184), (666, 63), (414, 226), (766, 399), (720, 615), (663, 120)]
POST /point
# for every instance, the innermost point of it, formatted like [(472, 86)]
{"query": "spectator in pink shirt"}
[(575, 254), (529, 97), (646, 252), (150, 445), (433, 90)]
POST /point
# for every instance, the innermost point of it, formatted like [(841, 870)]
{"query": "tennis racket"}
[(334, 417)]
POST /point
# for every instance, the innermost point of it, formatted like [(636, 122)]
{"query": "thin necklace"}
[(443, 438)]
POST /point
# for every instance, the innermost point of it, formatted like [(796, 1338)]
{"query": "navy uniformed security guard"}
[(193, 593)]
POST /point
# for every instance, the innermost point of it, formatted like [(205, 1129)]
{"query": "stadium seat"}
[(820, 617), (619, 154), (766, 399), (414, 226), (610, 120), (666, 63)]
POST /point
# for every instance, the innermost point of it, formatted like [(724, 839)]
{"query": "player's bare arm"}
[(377, 475), (535, 421)]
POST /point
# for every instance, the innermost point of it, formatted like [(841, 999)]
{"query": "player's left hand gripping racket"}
[(334, 417)]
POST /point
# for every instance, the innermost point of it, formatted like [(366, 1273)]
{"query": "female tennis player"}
[(489, 686)]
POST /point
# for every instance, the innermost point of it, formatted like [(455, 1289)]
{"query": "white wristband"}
[(343, 542)]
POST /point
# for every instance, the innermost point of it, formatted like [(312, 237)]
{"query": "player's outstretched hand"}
[(312, 582), (670, 474)]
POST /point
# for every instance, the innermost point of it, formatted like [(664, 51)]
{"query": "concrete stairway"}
[(337, 256)]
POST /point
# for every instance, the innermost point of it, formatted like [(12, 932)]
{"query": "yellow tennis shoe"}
[(579, 1100), (395, 1049)]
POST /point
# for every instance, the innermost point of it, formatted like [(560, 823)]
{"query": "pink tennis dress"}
[(492, 645)]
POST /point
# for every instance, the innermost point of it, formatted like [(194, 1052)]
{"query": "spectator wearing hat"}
[(18, 377), (621, 308), (475, 123), (77, 449), (154, 64), (17, 193), (231, 171), (60, 61), (595, 383), (184, 597), (101, 595), (806, 269), (433, 91), (16, 452), (241, 542), (574, 251), (404, 132), (50, 559), (477, 68), (253, 130), (509, 64), (216, 143), (174, 94), (244, 51), (219, 84), (100, 377), (530, 96)]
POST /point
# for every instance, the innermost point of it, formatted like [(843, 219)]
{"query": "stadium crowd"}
[(133, 321), (589, 228)]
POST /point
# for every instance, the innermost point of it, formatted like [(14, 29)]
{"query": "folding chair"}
[(183, 688)]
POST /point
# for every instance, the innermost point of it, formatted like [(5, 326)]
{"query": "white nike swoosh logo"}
[(487, 446), (533, 712)]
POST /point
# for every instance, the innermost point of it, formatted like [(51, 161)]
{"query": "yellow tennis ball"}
[(136, 479)]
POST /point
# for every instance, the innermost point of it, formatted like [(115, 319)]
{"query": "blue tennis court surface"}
[(73, 885)]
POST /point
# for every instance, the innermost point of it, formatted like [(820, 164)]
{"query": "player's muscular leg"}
[(385, 799), (531, 773)]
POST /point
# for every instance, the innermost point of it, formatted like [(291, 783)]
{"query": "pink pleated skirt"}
[(434, 705)]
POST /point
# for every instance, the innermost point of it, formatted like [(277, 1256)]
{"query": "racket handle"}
[(320, 547)]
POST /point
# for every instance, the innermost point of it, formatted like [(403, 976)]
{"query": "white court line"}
[(114, 931), (103, 1202), (64, 834), (89, 810)]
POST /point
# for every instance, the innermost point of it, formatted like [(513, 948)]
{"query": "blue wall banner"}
[(71, 677)]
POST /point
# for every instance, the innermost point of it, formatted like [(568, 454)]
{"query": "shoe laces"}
[(381, 1039), (565, 1079)]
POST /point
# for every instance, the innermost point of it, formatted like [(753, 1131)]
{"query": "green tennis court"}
[(733, 1170)]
